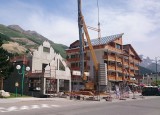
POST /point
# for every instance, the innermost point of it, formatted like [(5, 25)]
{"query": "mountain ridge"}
[(29, 39)]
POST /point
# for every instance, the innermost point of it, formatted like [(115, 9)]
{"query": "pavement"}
[(136, 96)]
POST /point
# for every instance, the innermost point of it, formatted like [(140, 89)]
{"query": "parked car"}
[(150, 91)]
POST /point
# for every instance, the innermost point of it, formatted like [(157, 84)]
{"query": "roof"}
[(133, 50), (105, 40), (101, 41)]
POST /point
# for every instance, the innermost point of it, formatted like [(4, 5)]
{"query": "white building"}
[(50, 73)]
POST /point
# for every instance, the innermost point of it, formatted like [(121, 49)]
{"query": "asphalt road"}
[(150, 106)]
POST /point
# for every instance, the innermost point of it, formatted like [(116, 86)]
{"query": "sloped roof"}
[(105, 40), (130, 46)]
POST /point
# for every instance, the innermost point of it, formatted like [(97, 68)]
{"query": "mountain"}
[(144, 70), (27, 38), (149, 63)]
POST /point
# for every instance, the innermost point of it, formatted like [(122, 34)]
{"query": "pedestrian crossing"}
[(26, 107)]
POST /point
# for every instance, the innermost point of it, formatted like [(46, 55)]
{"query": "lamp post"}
[(156, 69), (23, 71)]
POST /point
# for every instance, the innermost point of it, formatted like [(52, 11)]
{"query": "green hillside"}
[(8, 33), (144, 70)]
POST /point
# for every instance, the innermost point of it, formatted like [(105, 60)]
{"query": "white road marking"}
[(55, 105), (24, 107), (13, 108), (45, 106), (35, 107), (2, 108)]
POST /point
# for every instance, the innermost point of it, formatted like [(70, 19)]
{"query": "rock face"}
[(4, 94)]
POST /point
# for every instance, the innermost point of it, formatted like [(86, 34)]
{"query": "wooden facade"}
[(122, 60)]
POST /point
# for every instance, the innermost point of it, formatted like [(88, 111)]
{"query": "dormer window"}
[(46, 49), (118, 46)]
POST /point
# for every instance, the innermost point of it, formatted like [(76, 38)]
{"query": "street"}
[(146, 106)]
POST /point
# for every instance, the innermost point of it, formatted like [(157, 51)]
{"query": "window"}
[(73, 56), (45, 49), (34, 84), (118, 46), (61, 66), (43, 66)]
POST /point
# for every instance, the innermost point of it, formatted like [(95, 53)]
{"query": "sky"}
[(57, 20)]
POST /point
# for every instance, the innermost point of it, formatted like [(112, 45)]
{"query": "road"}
[(149, 106)]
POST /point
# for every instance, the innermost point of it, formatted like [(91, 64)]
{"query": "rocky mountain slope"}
[(27, 39), (150, 63)]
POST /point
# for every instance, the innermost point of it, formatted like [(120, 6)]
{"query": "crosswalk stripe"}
[(55, 105), (35, 107), (2, 108), (13, 108), (24, 107), (45, 105)]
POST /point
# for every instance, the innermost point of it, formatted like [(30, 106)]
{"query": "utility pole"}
[(156, 71)]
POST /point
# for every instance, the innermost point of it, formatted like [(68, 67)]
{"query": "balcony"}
[(136, 68), (73, 59), (119, 78), (131, 73), (110, 67), (111, 77), (113, 49), (131, 65), (136, 61), (118, 59), (86, 68), (125, 64), (119, 69), (109, 57), (77, 59), (75, 68)]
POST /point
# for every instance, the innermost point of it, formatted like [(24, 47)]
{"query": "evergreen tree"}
[(5, 66)]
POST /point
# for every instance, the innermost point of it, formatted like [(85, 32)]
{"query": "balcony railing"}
[(112, 58), (125, 63), (136, 61), (136, 68), (119, 59), (114, 49), (75, 68), (77, 59), (111, 77), (119, 69), (110, 67), (119, 78), (132, 73)]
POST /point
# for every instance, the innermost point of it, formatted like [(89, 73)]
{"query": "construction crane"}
[(83, 30)]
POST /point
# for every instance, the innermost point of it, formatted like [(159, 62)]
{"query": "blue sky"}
[(57, 20)]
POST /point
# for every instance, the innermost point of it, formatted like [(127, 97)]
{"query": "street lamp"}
[(23, 71), (156, 68)]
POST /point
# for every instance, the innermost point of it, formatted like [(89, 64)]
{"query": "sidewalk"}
[(136, 96), (14, 100)]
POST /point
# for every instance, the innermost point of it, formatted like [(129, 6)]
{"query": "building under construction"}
[(121, 62)]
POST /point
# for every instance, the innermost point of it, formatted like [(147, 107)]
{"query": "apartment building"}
[(121, 61)]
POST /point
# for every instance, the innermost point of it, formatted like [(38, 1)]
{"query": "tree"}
[(5, 66)]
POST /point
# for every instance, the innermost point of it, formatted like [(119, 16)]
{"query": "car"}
[(150, 91)]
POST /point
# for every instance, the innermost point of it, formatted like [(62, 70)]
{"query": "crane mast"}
[(82, 27)]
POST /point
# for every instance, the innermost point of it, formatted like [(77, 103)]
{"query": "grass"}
[(13, 95)]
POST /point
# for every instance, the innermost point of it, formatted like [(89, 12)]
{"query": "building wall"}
[(40, 57), (35, 80), (114, 54), (52, 69)]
